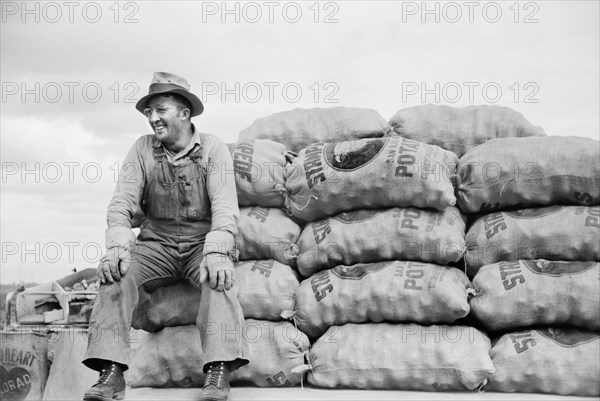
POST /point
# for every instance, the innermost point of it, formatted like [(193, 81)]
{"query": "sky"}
[(71, 73)]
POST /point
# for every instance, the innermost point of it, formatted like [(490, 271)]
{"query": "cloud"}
[(367, 56)]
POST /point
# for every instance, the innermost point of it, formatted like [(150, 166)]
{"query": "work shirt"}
[(127, 205)]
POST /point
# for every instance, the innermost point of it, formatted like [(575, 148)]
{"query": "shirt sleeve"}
[(125, 207), (220, 185)]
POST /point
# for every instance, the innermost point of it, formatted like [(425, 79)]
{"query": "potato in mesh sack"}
[(266, 233), (266, 290), (298, 128), (378, 292), (328, 178), (259, 172), (461, 128), (173, 356), (529, 172), (524, 293), (401, 356), (555, 360), (367, 236), (565, 233)]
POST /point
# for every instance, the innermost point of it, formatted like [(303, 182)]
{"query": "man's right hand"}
[(113, 265)]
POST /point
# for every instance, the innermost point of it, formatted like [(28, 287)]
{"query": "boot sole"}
[(119, 395)]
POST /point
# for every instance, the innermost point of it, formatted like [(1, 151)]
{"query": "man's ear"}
[(186, 113)]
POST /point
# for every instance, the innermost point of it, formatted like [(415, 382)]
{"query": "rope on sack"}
[(290, 156), (456, 182), (292, 253), (389, 131), (301, 369), (303, 207), (288, 314)]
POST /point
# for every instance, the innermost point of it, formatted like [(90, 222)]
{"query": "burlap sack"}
[(266, 289), (401, 356), (67, 378), (366, 236), (328, 178), (173, 356), (266, 233), (529, 172), (298, 128), (553, 360), (461, 128), (378, 292), (23, 364), (173, 305), (259, 167), (567, 233), (524, 293)]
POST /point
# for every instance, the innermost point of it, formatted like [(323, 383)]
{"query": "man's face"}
[(166, 118)]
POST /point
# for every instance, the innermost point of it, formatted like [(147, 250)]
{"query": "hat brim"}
[(197, 106)]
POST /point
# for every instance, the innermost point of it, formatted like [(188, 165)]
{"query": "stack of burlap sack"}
[(371, 217), (532, 251), (380, 226)]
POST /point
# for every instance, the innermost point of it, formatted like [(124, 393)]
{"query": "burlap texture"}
[(525, 293), (553, 360), (298, 128), (401, 356)]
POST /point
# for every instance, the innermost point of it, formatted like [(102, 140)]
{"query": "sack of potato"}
[(461, 128), (329, 178), (259, 167), (551, 360), (298, 128), (525, 293), (402, 357), (367, 236), (381, 292), (266, 290), (565, 233), (173, 357), (266, 233), (514, 173)]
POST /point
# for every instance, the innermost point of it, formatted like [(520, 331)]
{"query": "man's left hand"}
[(219, 270)]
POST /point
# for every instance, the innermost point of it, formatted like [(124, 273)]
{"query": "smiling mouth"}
[(159, 128)]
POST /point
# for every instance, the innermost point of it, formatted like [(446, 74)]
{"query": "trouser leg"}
[(108, 336), (221, 323), (108, 333), (220, 320)]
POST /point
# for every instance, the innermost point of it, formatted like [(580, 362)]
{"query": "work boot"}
[(110, 385), (216, 385)]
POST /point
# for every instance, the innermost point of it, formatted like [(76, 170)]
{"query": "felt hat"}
[(163, 83)]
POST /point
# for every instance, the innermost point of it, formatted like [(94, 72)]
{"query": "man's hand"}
[(218, 268), (113, 265)]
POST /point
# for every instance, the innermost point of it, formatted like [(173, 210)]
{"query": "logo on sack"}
[(358, 271), (352, 155), (16, 384), (533, 213), (557, 269), (568, 337), (357, 216)]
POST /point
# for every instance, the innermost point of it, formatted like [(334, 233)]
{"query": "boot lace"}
[(215, 374), (106, 375)]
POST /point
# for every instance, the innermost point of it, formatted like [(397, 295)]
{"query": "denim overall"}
[(169, 247)]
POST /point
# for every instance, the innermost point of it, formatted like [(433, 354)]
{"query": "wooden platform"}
[(314, 394)]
